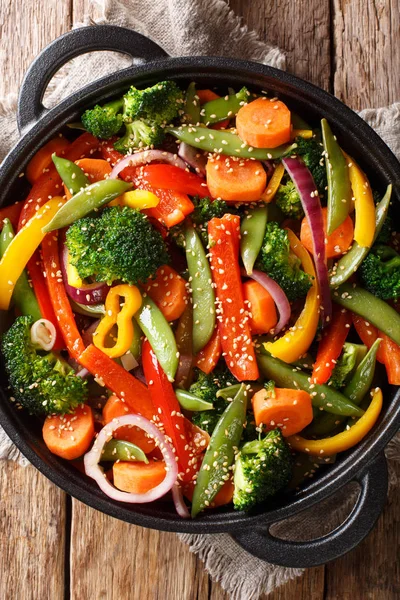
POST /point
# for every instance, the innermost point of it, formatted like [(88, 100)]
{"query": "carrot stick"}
[(70, 435), (337, 243), (391, 353), (207, 359), (233, 325), (368, 333), (235, 179), (290, 410), (42, 159), (114, 408), (331, 345), (168, 290), (262, 310), (264, 123), (138, 478)]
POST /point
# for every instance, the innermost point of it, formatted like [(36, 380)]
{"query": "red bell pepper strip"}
[(207, 359), (129, 389), (368, 334), (233, 324), (58, 296), (331, 345), (174, 178), (166, 406), (173, 206), (109, 153), (35, 269), (49, 184), (11, 212)]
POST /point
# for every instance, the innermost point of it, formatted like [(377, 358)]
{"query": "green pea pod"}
[(350, 262), (73, 177), (191, 402), (220, 454), (223, 108), (369, 307), (355, 390), (339, 187), (126, 451), (252, 234), (160, 335), (230, 392), (23, 295), (202, 292), (192, 105), (322, 396), (94, 310), (87, 200), (226, 142)]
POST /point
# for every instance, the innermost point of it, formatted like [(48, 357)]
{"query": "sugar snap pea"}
[(189, 401), (120, 450), (73, 177), (251, 235)]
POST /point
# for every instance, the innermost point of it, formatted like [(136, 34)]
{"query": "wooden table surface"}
[(53, 547)]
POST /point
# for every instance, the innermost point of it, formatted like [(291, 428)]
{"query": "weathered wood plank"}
[(82, 9), (366, 39), (113, 560), (25, 28), (302, 31), (32, 534)]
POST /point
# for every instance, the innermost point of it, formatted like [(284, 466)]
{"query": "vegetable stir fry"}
[(201, 293)]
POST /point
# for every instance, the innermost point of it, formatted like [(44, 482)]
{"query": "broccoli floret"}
[(104, 121), (380, 272), (311, 151), (42, 383), (263, 468), (117, 243), (288, 200), (206, 388), (146, 114), (351, 356), (205, 209), (281, 264)]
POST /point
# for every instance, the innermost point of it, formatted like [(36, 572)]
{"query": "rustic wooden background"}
[(53, 547)]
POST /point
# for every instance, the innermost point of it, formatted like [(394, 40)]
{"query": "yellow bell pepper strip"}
[(138, 199), (275, 181), (72, 275), (304, 133), (121, 317), (297, 340), (344, 440), (22, 248), (364, 229)]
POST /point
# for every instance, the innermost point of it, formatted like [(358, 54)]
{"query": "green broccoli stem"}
[(220, 109), (225, 142), (23, 295)]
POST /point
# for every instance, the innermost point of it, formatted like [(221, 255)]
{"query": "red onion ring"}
[(193, 157), (184, 368), (277, 294), (144, 157), (43, 334), (92, 293), (310, 201), (92, 458), (179, 502)]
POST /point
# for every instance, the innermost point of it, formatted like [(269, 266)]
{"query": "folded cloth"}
[(207, 27)]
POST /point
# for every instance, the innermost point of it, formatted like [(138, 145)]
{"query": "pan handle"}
[(65, 48), (374, 485)]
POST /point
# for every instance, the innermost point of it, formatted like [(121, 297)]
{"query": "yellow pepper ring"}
[(364, 229), (22, 247), (296, 341), (344, 440), (122, 317)]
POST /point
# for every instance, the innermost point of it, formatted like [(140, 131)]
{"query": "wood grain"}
[(32, 534)]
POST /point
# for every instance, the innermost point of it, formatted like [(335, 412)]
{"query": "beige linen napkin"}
[(206, 27)]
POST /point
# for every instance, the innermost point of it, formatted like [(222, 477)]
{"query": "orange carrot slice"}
[(168, 290), (71, 435), (290, 410), (235, 179), (115, 408), (261, 307), (264, 123), (138, 478), (337, 243)]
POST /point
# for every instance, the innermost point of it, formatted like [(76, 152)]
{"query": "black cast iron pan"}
[(365, 464)]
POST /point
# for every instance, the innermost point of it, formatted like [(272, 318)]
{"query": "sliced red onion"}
[(144, 157), (179, 502), (92, 293), (128, 361), (92, 458), (310, 201), (83, 373), (269, 167), (184, 368), (43, 334), (277, 294), (138, 373), (193, 157)]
